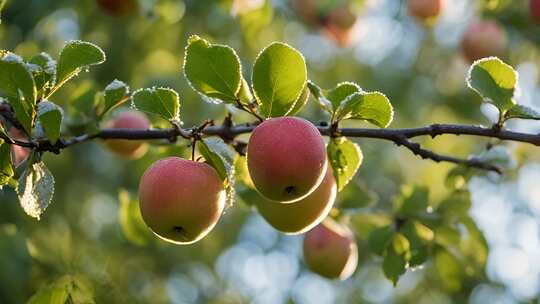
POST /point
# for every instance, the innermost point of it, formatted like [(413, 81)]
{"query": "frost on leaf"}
[(35, 189)]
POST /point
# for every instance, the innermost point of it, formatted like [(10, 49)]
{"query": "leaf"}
[(380, 238), (449, 269), (301, 102), (222, 158), (50, 116), (244, 96), (115, 94), (447, 236), (356, 196), (50, 294), (35, 189), (400, 244), (394, 265), (319, 96), (76, 56), (339, 94), (131, 221), (2, 4), (373, 107), (412, 201), (345, 158), (523, 112), (6, 166), (494, 80), (66, 289), (419, 237), (18, 85), (213, 69), (160, 101), (45, 75), (279, 77)]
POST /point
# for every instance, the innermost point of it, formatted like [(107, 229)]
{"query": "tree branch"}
[(228, 131)]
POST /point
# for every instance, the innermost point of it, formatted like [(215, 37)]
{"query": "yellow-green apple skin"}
[(132, 149), (301, 216), (286, 158), (181, 200), (425, 10), (483, 38), (330, 250)]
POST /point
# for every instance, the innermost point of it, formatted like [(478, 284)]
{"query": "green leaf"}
[(449, 269), (400, 244), (380, 238), (76, 56), (345, 158), (412, 201), (245, 97), (160, 101), (495, 81), (355, 196), (66, 289), (301, 102), (221, 157), (279, 77), (319, 96), (2, 4), (373, 107), (18, 85), (55, 293), (213, 70), (394, 265), (447, 236), (455, 206), (50, 116), (114, 95), (6, 166), (523, 112), (45, 73), (339, 94), (419, 237), (131, 221), (35, 189)]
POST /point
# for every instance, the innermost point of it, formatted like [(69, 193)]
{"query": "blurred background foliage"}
[(91, 244)]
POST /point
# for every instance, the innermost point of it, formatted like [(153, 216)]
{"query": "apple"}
[(286, 158), (301, 216), (483, 38), (132, 149), (330, 250), (425, 10), (181, 200)]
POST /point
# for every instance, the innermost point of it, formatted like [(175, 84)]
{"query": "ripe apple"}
[(338, 25), (425, 10), (301, 216), (181, 200), (128, 148), (534, 9), (286, 158), (330, 250), (118, 7), (483, 39)]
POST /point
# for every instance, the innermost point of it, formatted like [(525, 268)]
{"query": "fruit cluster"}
[(182, 200)]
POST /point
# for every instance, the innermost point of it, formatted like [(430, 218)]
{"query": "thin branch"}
[(427, 154), (228, 132)]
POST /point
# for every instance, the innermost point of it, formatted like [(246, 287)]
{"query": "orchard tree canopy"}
[(258, 151)]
